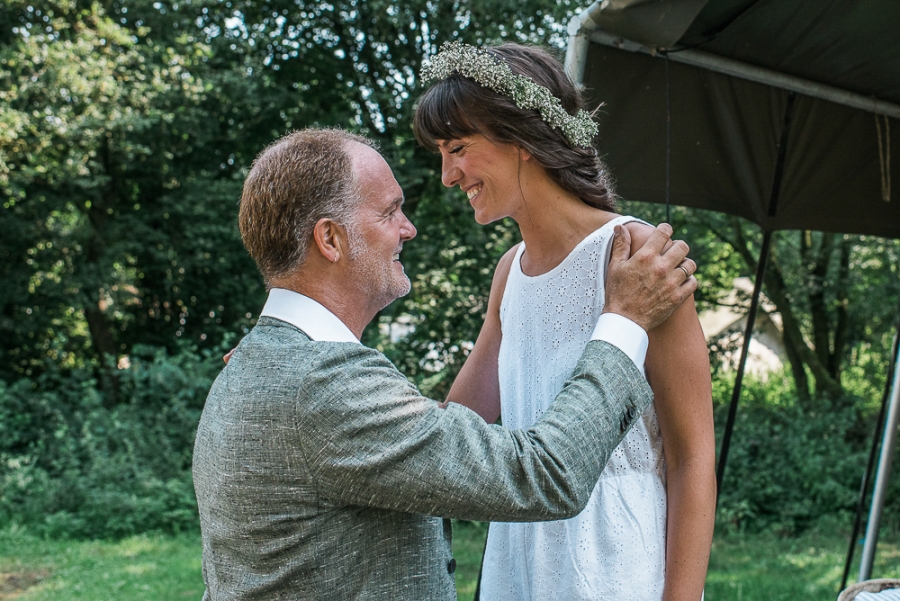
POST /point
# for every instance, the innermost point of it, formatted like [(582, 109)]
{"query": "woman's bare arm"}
[(478, 383), (678, 371)]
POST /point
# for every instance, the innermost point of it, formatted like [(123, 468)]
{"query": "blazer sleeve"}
[(371, 439)]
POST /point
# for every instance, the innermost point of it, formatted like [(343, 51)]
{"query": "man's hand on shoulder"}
[(649, 285)]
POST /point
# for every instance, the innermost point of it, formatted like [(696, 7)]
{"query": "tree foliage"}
[(119, 207), (837, 296), (126, 128)]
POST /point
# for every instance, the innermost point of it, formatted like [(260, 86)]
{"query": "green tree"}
[(120, 212), (837, 296), (129, 126)]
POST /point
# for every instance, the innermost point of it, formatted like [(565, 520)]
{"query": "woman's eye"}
[(455, 149)]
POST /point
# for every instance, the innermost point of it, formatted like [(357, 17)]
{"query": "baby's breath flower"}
[(485, 69)]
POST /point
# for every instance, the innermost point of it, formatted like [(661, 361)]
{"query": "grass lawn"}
[(758, 567), (140, 568), (768, 567)]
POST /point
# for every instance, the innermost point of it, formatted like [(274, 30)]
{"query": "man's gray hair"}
[(297, 180)]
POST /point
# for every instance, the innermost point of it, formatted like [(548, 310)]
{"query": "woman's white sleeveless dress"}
[(615, 548)]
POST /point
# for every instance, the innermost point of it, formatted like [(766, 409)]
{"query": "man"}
[(319, 469)]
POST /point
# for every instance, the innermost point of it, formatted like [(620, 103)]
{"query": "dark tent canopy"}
[(742, 73)]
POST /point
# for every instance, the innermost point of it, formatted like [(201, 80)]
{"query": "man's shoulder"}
[(277, 368), (275, 344)]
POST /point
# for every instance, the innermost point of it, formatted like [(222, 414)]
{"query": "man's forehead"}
[(363, 156), (373, 173)]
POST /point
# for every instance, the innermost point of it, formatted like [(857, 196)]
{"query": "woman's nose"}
[(450, 173)]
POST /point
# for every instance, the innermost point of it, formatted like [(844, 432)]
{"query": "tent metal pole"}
[(888, 444), (870, 464), (745, 348), (727, 66), (580, 27)]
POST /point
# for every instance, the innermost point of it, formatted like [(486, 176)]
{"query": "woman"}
[(508, 125)]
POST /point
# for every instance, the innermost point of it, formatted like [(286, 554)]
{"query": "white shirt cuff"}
[(624, 334)]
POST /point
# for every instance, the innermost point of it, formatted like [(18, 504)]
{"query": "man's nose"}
[(407, 230)]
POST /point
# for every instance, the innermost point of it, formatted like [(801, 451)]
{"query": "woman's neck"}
[(553, 222)]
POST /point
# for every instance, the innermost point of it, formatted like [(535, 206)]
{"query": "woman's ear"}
[(524, 155), (331, 239)]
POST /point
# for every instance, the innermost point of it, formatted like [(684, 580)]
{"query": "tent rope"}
[(669, 139), (884, 155)]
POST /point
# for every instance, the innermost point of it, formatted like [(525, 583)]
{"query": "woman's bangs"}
[(439, 114)]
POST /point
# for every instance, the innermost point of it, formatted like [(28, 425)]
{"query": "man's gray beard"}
[(372, 278)]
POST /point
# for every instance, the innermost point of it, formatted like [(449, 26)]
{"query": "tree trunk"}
[(799, 353), (817, 263), (798, 371), (102, 338), (843, 317), (793, 334)]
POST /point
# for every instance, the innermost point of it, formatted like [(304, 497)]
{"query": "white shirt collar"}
[(314, 319)]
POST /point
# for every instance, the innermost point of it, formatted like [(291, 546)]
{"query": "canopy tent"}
[(782, 112), (726, 126)]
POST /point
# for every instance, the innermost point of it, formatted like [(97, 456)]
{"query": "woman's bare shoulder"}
[(639, 231)]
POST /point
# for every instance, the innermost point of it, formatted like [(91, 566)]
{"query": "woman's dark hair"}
[(457, 106)]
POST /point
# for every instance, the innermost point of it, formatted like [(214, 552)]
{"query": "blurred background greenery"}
[(126, 128)]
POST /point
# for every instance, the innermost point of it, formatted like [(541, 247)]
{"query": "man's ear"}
[(331, 239)]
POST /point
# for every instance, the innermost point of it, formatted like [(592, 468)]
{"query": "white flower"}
[(483, 68)]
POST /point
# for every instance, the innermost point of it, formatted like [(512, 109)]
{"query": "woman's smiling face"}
[(488, 173)]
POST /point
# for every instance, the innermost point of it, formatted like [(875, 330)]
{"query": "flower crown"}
[(490, 72)]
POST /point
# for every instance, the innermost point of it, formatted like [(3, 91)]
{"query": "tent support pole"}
[(739, 378), (888, 444), (727, 66), (873, 453), (580, 27)]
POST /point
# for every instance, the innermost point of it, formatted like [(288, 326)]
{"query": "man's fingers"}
[(228, 355), (661, 236), (689, 285), (687, 288), (621, 249), (688, 267), (677, 252), (648, 286)]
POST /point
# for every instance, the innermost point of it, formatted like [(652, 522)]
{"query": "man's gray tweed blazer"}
[(322, 473)]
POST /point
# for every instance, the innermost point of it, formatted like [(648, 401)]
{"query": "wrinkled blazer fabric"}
[(320, 470)]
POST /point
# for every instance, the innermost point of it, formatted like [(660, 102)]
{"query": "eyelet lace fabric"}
[(615, 548)]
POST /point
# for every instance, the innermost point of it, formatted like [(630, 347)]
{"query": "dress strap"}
[(606, 250), (515, 272), (517, 260)]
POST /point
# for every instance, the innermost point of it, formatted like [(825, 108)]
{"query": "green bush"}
[(72, 466), (790, 465)]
